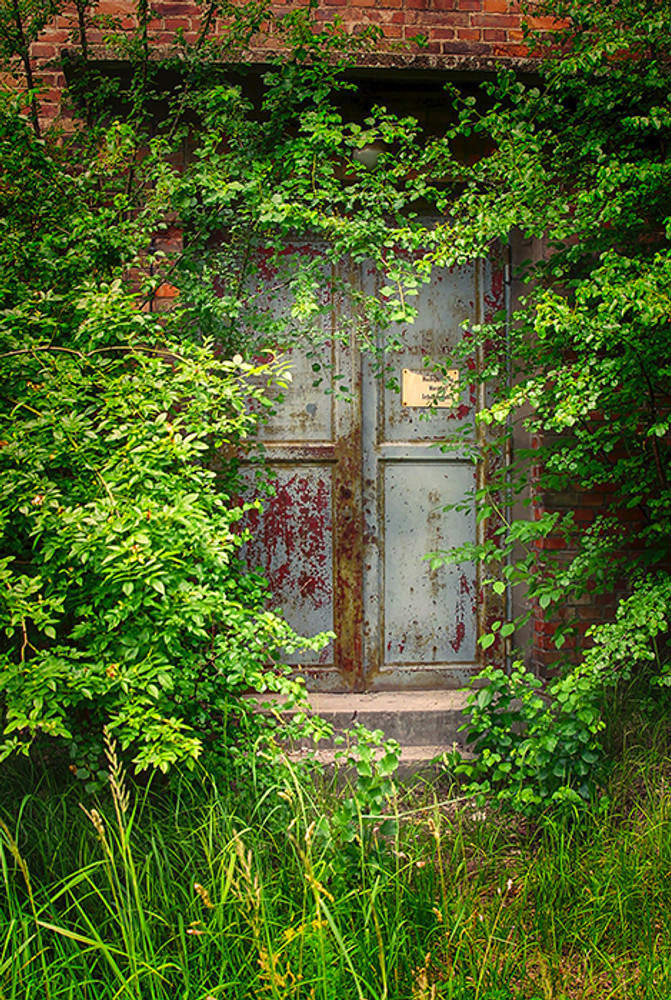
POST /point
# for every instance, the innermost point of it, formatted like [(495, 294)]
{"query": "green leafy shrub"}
[(373, 760), (533, 748), (124, 595), (124, 599), (539, 744)]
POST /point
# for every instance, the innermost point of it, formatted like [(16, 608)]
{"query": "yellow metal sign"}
[(428, 389)]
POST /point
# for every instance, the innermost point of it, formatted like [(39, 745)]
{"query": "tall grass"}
[(241, 890)]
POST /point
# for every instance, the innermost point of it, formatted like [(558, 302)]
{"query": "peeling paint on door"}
[(362, 493)]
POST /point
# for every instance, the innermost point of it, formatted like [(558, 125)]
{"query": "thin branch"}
[(24, 55), (47, 348)]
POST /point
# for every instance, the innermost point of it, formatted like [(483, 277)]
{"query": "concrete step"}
[(415, 762), (425, 723)]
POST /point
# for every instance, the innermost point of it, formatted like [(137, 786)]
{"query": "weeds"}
[(199, 892)]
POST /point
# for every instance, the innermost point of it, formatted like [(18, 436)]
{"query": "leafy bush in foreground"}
[(235, 200), (123, 596)]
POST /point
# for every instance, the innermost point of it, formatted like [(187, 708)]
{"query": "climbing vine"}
[(578, 160)]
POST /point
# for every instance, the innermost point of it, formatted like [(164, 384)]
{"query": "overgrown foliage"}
[(123, 425), (124, 597), (113, 409), (579, 159)]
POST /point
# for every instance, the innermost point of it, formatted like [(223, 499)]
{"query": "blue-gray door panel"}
[(363, 493), (420, 625), (428, 615)]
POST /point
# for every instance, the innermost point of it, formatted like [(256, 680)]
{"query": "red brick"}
[(469, 34), (450, 17), (42, 50), (115, 7), (550, 658), (51, 96), (510, 50), (544, 642), (589, 616), (186, 7), (172, 245), (541, 23), (173, 10), (495, 20), (444, 4), (494, 35), (552, 543), (51, 80), (465, 49), (56, 34), (411, 23), (443, 33)]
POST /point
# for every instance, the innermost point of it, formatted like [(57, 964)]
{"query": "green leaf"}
[(484, 697)]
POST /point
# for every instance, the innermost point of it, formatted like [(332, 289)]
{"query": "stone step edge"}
[(429, 752), (414, 761), (382, 701), (432, 720)]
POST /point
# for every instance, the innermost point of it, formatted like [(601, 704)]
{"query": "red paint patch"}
[(291, 542), (459, 636)]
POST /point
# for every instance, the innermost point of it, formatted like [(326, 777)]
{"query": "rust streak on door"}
[(348, 555), (348, 526)]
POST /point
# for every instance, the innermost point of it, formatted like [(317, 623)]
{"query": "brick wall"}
[(466, 35), (591, 608), (535, 641), (581, 612)]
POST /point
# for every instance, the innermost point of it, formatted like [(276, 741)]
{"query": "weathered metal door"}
[(361, 492)]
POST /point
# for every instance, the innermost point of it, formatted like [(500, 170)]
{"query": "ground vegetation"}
[(131, 623), (245, 888)]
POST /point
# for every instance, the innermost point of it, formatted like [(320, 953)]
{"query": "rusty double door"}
[(362, 488)]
